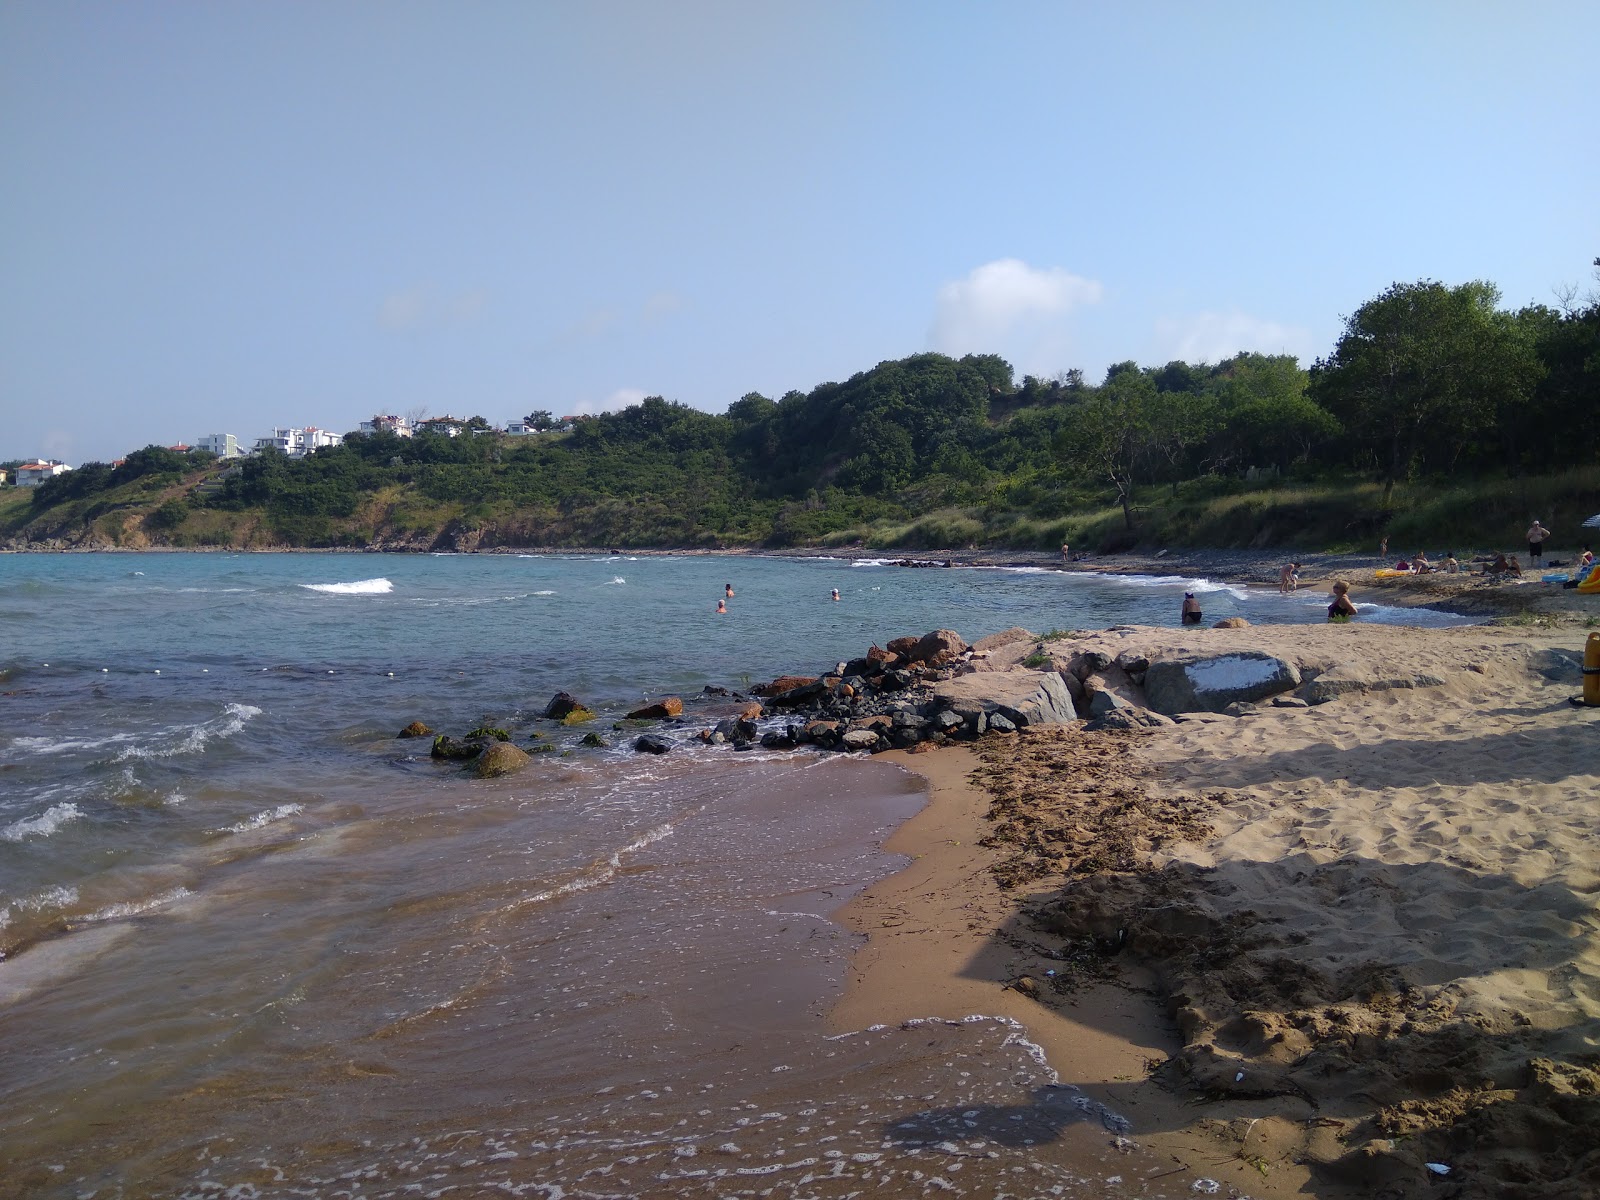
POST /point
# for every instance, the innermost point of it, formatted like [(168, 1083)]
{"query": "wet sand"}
[(1304, 951)]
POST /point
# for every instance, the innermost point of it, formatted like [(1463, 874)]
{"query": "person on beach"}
[(1504, 566), (722, 607), (1383, 547), (1289, 578), (1536, 536), (1420, 564), (836, 594), (727, 590), (1066, 552), (1190, 613), (1586, 557), (1451, 566), (1341, 609)]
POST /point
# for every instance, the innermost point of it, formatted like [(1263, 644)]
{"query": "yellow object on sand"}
[(1591, 671), (1591, 585), (1388, 573)]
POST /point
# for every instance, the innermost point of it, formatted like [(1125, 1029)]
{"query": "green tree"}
[(1108, 432), (1423, 364)]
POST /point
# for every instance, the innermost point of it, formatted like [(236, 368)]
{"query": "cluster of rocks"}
[(919, 692)]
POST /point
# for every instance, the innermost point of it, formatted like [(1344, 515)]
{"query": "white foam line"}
[(605, 873), (264, 818), (43, 825), (359, 587), (133, 908)]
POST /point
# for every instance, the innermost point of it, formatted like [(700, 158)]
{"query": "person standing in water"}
[(1190, 613), (836, 593), (1288, 578), (722, 607), (727, 590), (1341, 609)]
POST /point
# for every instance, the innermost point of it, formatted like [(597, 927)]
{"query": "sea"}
[(254, 945)]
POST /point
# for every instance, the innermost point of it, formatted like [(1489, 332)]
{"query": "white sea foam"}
[(360, 587), (546, 592), (43, 825), (132, 908), (618, 579), (264, 818), (194, 738), (872, 562), (1198, 585), (599, 873)]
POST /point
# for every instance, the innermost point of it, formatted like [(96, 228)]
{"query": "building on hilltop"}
[(32, 474), (223, 445), (297, 443), (449, 426), (388, 423)]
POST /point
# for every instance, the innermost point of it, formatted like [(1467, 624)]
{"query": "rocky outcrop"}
[(1023, 698), (1211, 684), (663, 709), (783, 683), (1342, 680), (500, 758)]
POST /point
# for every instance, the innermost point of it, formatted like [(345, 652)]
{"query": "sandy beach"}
[(1304, 950)]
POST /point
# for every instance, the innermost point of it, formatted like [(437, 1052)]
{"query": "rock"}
[(799, 694), (1129, 718), (861, 739), (1000, 723), (822, 733), (736, 729), (1211, 684), (1341, 680), (500, 758), (752, 711), (881, 723), (1232, 623), (1101, 703), (1289, 702), (651, 743), (1027, 985), (594, 739), (783, 683), (415, 729), (1023, 697), (902, 738), (577, 716), (938, 647), (1004, 638), (776, 740), (486, 733), (667, 706), (895, 681), (1132, 662), (901, 647), (947, 720), (907, 720), (449, 749), (712, 689), (560, 705), (1239, 709)]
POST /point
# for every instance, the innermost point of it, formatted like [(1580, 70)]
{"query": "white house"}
[(449, 426), (297, 443), (223, 445), (388, 423), (32, 474)]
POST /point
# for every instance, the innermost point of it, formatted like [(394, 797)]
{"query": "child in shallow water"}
[(1341, 609)]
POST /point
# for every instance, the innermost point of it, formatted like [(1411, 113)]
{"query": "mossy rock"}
[(484, 732), (577, 717), (594, 739), (414, 730), (449, 749), (542, 748), (501, 758)]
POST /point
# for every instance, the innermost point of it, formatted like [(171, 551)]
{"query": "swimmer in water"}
[(835, 593), (722, 607), (727, 590)]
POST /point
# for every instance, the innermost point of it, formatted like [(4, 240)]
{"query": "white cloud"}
[(1008, 307), (615, 402), (420, 308), (1213, 336)]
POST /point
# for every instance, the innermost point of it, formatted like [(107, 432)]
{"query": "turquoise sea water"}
[(254, 942)]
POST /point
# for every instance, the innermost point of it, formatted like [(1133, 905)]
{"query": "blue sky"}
[(224, 217)]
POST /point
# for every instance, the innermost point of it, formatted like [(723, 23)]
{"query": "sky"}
[(221, 218)]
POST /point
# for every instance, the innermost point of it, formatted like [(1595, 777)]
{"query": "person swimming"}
[(727, 590), (722, 606), (835, 593)]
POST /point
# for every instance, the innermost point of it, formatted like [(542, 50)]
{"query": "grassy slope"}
[(1334, 516)]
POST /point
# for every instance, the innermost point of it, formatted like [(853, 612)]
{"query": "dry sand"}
[(1307, 951)]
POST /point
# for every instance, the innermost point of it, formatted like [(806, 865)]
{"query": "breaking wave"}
[(360, 587), (46, 823)]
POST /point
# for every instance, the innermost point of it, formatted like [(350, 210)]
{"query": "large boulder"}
[(1212, 683), (452, 750), (800, 694), (661, 710), (938, 648), (652, 744), (1022, 697), (499, 758), (861, 739), (415, 730)]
